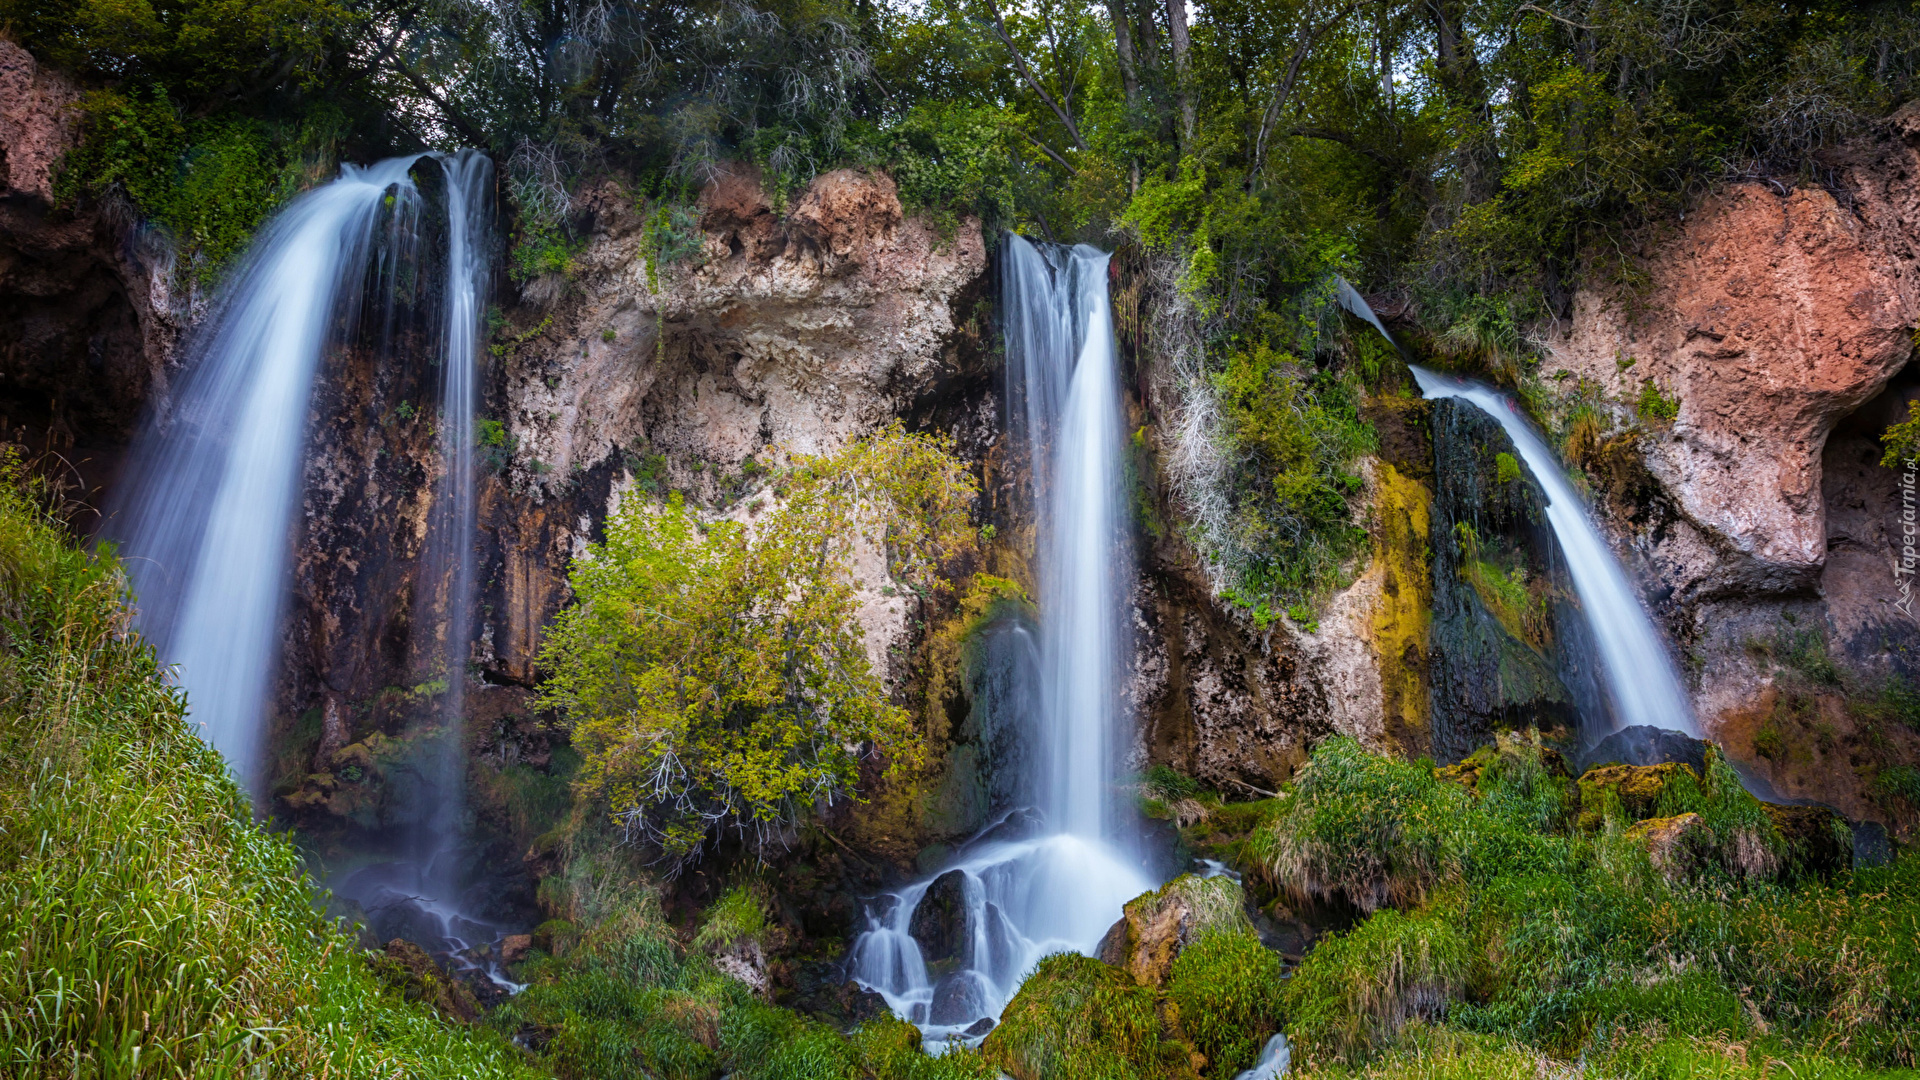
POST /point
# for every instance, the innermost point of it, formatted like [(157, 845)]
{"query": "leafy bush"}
[(714, 674), (148, 926)]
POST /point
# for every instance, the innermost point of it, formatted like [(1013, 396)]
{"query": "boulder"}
[(939, 923), (1156, 926), (1647, 745), (1679, 845)]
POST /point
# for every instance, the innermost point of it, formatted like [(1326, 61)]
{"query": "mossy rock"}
[(1076, 1018), (1679, 845), (1818, 841), (407, 968), (1634, 788), (1468, 772), (1154, 927)]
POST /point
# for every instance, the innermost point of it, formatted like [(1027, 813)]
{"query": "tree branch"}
[(1026, 73), (1285, 90)]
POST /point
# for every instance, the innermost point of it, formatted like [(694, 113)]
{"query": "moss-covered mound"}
[(148, 927), (1664, 924)]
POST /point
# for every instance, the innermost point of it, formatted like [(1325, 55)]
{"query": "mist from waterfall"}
[(1640, 676), (212, 480), (1052, 875)]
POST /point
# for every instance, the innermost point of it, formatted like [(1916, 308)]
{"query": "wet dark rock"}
[(939, 923), (979, 1028), (1648, 745), (957, 999), (407, 968), (1024, 823)]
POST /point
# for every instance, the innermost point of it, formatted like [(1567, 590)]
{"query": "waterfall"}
[(212, 480), (1051, 876), (450, 554), (1640, 677)]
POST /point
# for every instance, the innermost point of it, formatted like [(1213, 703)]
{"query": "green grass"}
[(1521, 918), (148, 927)]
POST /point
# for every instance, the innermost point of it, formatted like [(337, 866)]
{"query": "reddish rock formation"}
[(1770, 317)]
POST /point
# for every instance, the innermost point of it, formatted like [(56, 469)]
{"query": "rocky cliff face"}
[(90, 318), (631, 376), (1781, 320)]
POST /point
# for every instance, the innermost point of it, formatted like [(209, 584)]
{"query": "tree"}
[(713, 672)]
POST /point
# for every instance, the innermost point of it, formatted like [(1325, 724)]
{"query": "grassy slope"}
[(147, 926)]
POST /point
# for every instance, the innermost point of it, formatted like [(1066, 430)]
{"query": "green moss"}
[(1655, 406), (1075, 1018), (1355, 991)]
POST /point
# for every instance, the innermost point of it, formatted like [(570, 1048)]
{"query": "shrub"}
[(1227, 987), (1364, 828), (714, 675)]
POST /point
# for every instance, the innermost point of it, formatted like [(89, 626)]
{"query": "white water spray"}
[(213, 480), (1057, 884), (1640, 676)]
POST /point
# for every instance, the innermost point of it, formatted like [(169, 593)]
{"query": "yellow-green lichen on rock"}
[(1403, 615)]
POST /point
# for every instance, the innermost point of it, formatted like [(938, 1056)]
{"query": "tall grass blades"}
[(148, 927)]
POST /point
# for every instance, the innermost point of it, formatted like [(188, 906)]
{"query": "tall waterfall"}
[(450, 554), (1640, 677), (207, 510), (1055, 880), (213, 480)]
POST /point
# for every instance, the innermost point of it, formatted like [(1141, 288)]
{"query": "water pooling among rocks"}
[(949, 953)]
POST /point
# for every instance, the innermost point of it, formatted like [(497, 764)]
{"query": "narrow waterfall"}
[(1053, 875), (1640, 676), (212, 481), (450, 554)]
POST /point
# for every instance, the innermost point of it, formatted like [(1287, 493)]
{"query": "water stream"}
[(1641, 680), (213, 479), (1053, 875), (206, 524)]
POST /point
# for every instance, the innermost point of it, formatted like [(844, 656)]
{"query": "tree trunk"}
[(1182, 80)]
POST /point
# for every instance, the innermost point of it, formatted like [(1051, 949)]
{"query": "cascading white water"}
[(212, 481), (450, 541), (1030, 887), (1640, 676)]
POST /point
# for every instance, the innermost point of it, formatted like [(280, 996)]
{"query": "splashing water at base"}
[(1640, 676), (1061, 882)]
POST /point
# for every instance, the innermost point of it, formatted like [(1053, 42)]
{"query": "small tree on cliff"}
[(713, 672)]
